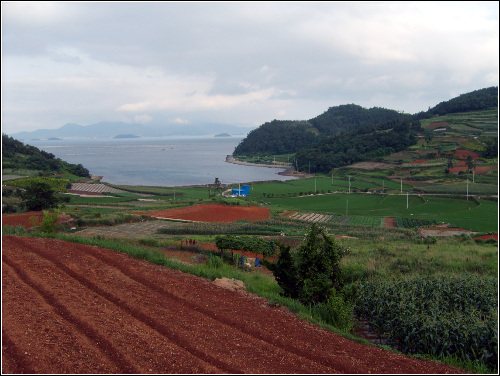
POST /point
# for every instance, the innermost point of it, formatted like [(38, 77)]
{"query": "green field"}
[(468, 214)]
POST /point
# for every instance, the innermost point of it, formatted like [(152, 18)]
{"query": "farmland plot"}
[(70, 308)]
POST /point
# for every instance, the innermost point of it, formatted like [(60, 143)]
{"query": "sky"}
[(238, 63)]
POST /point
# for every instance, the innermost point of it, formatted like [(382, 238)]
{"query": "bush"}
[(335, 311), (49, 221), (214, 262)]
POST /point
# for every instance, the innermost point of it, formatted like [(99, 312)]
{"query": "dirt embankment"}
[(70, 308)]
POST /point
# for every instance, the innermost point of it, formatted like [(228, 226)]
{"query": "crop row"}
[(311, 217), (94, 188), (414, 222), (439, 316)]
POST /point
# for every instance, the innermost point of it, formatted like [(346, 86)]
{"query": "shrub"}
[(335, 311), (214, 262), (49, 221)]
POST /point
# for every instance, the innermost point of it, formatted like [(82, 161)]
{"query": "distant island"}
[(223, 135), (126, 136), (54, 139)]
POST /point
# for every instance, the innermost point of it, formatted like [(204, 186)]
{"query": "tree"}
[(312, 274), (39, 196), (284, 271)]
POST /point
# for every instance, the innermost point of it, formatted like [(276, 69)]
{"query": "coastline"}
[(288, 170)]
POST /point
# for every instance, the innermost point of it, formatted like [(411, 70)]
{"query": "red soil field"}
[(390, 222), (463, 154), (214, 213), (23, 219), (70, 308), (486, 237), (442, 124)]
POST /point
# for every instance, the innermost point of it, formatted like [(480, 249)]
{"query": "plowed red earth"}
[(70, 308), (28, 219), (214, 213)]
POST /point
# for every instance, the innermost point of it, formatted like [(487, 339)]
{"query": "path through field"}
[(70, 308)]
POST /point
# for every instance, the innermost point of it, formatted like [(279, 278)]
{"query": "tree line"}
[(358, 145)]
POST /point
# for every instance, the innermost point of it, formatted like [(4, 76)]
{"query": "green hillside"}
[(281, 136), (348, 134), (18, 158)]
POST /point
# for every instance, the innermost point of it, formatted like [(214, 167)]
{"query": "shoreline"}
[(288, 170)]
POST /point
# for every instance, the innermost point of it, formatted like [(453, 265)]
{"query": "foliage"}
[(57, 185), (346, 118), (312, 273), (482, 99), (281, 137), (414, 222), (335, 311), (285, 271), (49, 221), (438, 316), (16, 155), (277, 137), (358, 145), (39, 196), (245, 244)]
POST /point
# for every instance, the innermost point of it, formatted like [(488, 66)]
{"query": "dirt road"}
[(71, 308)]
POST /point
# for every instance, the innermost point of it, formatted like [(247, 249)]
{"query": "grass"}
[(480, 215), (451, 256)]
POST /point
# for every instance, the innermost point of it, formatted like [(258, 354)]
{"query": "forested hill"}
[(16, 155), (474, 101), (350, 133), (349, 117), (282, 136), (359, 145)]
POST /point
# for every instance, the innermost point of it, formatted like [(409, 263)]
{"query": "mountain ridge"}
[(107, 129)]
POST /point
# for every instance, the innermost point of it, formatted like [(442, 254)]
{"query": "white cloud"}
[(142, 119), (240, 63)]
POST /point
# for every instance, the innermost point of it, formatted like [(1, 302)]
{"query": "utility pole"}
[(349, 185), (467, 188), (401, 185), (315, 185), (407, 200)]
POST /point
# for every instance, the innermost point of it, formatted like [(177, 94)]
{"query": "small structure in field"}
[(244, 191)]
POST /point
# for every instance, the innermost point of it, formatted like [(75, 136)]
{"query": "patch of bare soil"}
[(70, 308), (390, 222), (373, 165), (443, 230)]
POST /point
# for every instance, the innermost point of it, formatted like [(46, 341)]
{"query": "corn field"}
[(439, 316)]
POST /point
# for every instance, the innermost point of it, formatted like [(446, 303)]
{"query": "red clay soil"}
[(70, 308), (390, 222), (463, 154), (487, 237), (26, 219), (214, 213)]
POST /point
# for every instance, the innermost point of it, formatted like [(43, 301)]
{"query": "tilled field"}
[(71, 308)]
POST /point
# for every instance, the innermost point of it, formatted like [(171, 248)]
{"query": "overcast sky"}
[(241, 63)]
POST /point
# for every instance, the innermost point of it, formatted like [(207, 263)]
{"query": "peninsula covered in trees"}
[(350, 133), (16, 155)]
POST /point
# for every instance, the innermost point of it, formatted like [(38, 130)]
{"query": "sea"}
[(155, 161)]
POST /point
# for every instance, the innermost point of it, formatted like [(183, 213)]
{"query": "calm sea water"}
[(165, 162)]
